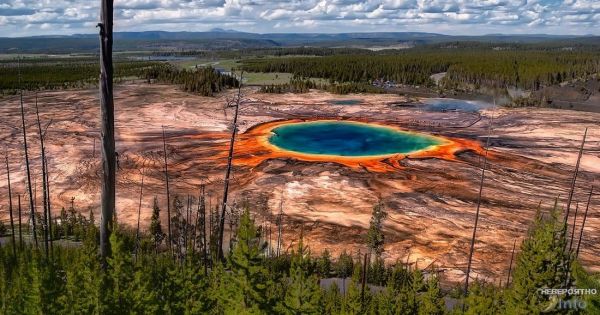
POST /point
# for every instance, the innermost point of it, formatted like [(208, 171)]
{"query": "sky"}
[(453, 17)]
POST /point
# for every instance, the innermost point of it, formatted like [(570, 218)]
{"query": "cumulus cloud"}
[(33, 17)]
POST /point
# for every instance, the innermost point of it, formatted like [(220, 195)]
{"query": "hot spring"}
[(449, 104), (348, 139)]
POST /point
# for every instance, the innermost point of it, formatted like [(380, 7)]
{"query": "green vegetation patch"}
[(59, 73), (493, 68)]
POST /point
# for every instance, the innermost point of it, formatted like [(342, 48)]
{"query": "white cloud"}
[(32, 17)]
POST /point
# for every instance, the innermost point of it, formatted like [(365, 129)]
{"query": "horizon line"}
[(232, 31)]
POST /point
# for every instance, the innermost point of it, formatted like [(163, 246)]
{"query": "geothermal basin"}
[(430, 195), (377, 147), (349, 139)]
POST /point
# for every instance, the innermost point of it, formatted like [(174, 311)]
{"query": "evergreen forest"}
[(525, 69), (148, 274)]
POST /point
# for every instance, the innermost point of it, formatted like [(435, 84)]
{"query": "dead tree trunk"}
[(107, 132), (231, 227), (137, 233), (211, 227), (196, 231), (270, 248), (202, 210), (573, 230), (49, 207), (169, 239), (186, 229), (20, 223), (568, 260), (31, 199), (364, 282), (574, 179), (44, 191), (279, 224), (228, 172), (512, 256), (472, 246), (10, 208), (587, 207), (569, 252)]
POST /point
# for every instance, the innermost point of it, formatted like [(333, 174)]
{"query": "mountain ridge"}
[(223, 39)]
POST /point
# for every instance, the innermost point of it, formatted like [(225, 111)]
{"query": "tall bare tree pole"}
[(48, 203), (228, 171), (31, 199), (169, 240), (583, 223), (279, 224), (363, 282), (202, 210), (10, 208), (47, 218), (574, 179), (568, 258), (188, 209), (574, 225), (512, 256), (472, 247), (107, 127), (137, 233), (20, 222)]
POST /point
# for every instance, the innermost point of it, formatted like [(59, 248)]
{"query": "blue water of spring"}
[(348, 139)]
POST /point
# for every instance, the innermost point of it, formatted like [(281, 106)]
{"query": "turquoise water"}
[(345, 102), (450, 104), (347, 139)]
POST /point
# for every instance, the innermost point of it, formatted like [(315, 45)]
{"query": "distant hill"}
[(218, 39)]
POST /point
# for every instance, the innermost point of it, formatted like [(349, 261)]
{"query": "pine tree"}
[(539, 265), (384, 303), (352, 303), (3, 229), (375, 236), (85, 276), (584, 280), (376, 272), (245, 287), (303, 295), (91, 219), (483, 299), (172, 289), (121, 275), (408, 301), (324, 264), (146, 299), (195, 300), (178, 227), (418, 281), (344, 267), (332, 300), (155, 226), (430, 301)]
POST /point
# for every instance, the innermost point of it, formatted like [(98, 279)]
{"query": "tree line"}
[(144, 277), (64, 73), (205, 80), (263, 52), (302, 85), (60, 73), (527, 69)]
